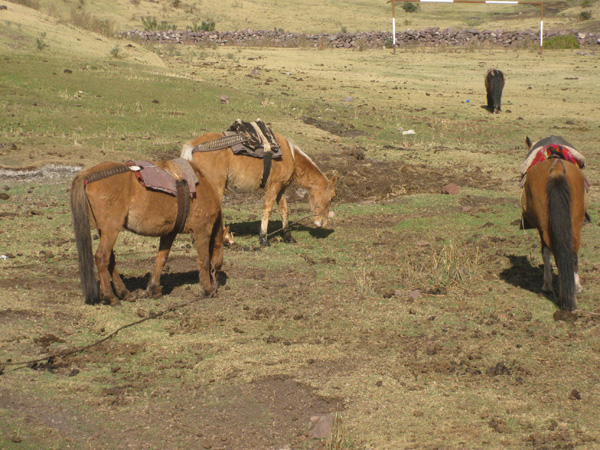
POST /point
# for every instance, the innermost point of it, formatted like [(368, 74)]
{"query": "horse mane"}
[(303, 164)]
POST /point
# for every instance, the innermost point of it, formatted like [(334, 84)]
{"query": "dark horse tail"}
[(561, 238), (83, 238)]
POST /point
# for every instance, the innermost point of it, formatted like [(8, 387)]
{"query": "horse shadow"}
[(253, 229), (169, 281), (524, 275)]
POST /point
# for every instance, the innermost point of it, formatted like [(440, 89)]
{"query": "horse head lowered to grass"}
[(554, 201), (278, 163), (110, 197)]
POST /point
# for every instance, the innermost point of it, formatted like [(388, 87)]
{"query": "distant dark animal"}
[(110, 197), (245, 173), (554, 201), (494, 84)]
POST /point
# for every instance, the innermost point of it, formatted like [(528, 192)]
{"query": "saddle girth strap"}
[(218, 144), (96, 176), (183, 205), (266, 168)]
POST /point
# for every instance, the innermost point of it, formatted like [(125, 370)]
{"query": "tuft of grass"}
[(89, 22), (337, 438), (565, 42), (40, 43), (585, 15)]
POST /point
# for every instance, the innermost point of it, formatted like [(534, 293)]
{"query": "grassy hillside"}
[(317, 16)]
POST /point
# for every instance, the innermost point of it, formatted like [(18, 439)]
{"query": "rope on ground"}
[(51, 358), (290, 224)]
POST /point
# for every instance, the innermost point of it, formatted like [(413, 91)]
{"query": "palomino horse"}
[(244, 173), (494, 84), (110, 197), (554, 201)]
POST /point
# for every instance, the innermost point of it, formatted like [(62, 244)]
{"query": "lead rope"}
[(50, 358)]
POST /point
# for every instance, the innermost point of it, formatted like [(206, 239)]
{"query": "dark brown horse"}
[(244, 173), (110, 197), (554, 201), (494, 84)]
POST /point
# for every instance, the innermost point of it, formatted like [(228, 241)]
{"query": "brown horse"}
[(554, 201), (119, 201), (244, 173)]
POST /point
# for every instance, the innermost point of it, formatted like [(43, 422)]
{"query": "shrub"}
[(209, 25), (115, 52), (88, 22), (561, 42), (585, 15), (40, 43), (150, 23), (33, 4), (410, 7)]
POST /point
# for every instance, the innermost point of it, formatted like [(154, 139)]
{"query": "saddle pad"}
[(158, 179), (253, 144), (552, 146)]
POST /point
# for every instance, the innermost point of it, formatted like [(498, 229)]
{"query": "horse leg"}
[(120, 289), (202, 243), (547, 256), (268, 203), (103, 259), (284, 211), (153, 289)]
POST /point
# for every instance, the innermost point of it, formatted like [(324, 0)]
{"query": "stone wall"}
[(375, 39)]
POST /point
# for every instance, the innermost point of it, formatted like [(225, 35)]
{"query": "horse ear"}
[(528, 142), (333, 179)]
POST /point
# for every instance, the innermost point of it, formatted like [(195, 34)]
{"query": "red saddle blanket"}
[(556, 151), (552, 146)]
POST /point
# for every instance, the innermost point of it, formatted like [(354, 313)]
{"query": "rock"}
[(414, 294), (574, 395), (565, 316), (320, 427), (451, 189), (224, 99)]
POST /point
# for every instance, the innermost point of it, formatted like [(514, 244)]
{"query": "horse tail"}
[(83, 239), (561, 237), (216, 243)]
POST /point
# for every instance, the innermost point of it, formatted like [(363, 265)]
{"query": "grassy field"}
[(418, 317)]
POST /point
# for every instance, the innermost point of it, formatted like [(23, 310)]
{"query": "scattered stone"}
[(348, 99), (225, 99), (498, 369), (415, 294), (574, 395), (565, 316), (451, 189), (498, 425), (320, 427)]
